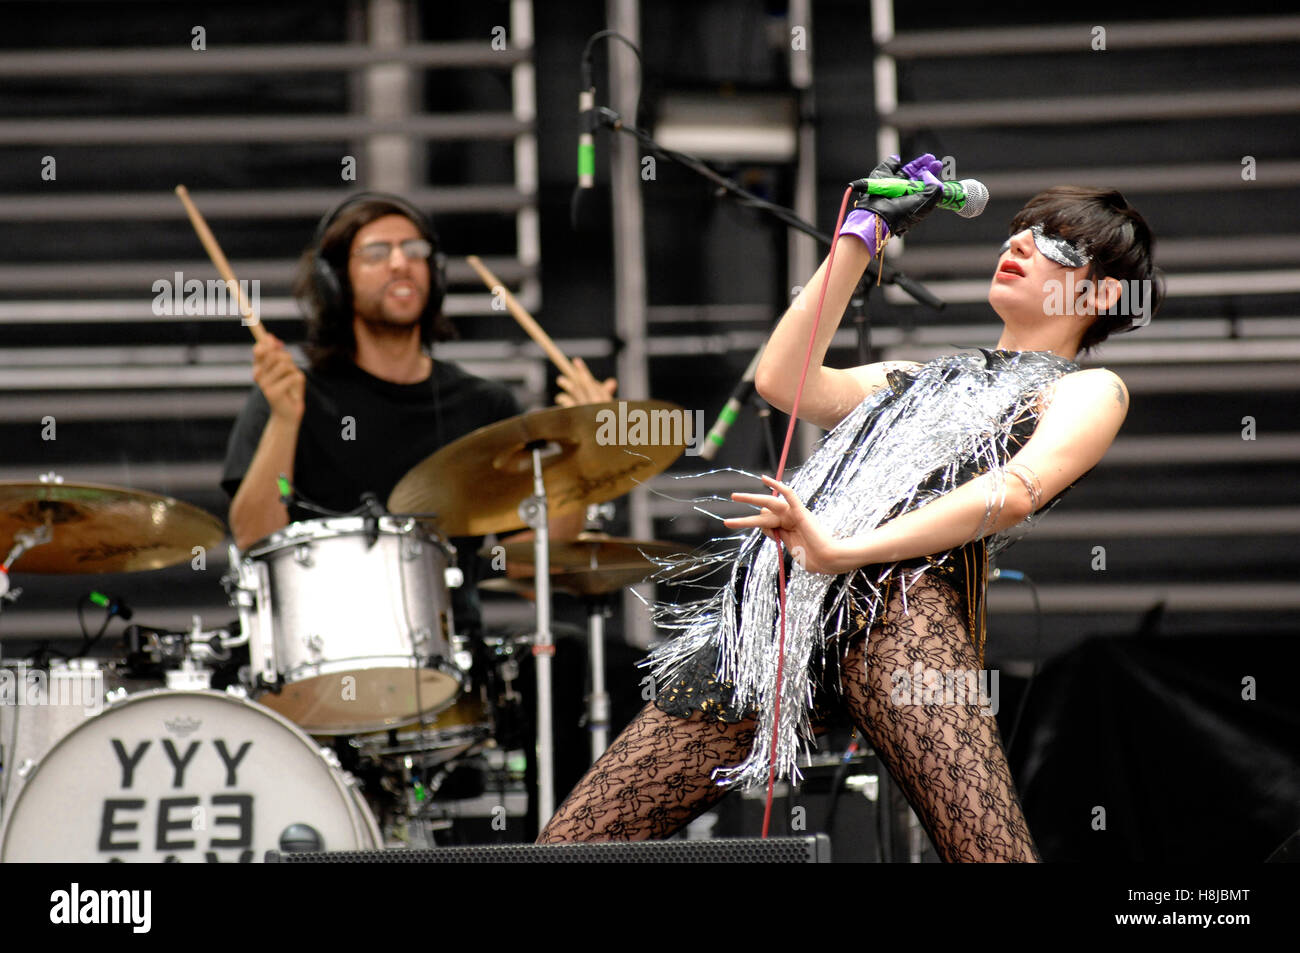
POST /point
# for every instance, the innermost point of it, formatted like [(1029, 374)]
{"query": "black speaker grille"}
[(738, 850)]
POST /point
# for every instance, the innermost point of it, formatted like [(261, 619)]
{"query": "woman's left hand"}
[(785, 515)]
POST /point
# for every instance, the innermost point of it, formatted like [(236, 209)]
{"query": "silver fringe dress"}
[(932, 429)]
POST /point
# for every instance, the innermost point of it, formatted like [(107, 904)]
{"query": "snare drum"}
[(186, 776), (356, 624), (444, 738)]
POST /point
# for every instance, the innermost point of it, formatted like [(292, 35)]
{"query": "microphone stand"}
[(861, 323), (763, 410), (876, 271)]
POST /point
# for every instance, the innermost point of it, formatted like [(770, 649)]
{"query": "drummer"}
[(374, 401)]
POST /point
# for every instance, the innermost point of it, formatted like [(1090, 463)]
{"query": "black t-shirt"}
[(362, 434)]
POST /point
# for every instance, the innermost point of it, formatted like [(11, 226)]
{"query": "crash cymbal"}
[(591, 453), (588, 551), (577, 582), (98, 529)]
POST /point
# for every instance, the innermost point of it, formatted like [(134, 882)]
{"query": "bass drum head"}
[(183, 776)]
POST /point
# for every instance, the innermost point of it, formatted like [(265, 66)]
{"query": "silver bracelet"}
[(1032, 486)]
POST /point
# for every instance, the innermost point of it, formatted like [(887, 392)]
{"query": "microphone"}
[(587, 127), (718, 435), (114, 605), (967, 198)]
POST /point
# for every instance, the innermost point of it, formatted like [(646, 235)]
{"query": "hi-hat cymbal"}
[(590, 565), (588, 551), (591, 453), (96, 529), (576, 582)]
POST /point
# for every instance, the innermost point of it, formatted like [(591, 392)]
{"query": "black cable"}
[(584, 69), (1033, 673), (837, 784), (87, 640)]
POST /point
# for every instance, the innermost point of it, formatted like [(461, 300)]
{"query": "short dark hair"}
[(1112, 232), (330, 338)]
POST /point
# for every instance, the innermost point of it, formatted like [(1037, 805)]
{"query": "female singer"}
[(887, 530)]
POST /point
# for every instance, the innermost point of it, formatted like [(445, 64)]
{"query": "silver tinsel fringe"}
[(902, 447)]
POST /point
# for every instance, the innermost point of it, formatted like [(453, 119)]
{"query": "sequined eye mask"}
[(1054, 248)]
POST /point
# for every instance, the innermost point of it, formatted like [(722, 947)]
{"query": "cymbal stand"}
[(533, 511), (597, 607), (22, 543)]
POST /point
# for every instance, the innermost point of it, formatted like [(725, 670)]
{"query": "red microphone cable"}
[(780, 470)]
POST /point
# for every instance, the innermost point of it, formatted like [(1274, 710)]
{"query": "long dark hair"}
[(330, 338), (1113, 233)]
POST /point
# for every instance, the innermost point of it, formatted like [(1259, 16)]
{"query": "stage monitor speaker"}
[(725, 850)]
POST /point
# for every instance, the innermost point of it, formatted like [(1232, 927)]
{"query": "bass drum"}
[(184, 776)]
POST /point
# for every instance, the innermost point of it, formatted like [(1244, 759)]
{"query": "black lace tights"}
[(945, 755)]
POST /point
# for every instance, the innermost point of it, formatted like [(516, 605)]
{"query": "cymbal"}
[(577, 582), (588, 551), (591, 453), (590, 565), (96, 529)]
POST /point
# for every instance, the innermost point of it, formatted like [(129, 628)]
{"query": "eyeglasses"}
[(375, 253), (1055, 248)]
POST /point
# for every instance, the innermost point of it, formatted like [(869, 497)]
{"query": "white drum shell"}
[(347, 623), (46, 704)]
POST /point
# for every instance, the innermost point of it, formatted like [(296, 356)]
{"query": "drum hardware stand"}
[(187, 652), (421, 813), (371, 511), (22, 543), (597, 610), (533, 511), (598, 700)]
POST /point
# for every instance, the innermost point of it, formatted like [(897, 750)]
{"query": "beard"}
[(380, 318)]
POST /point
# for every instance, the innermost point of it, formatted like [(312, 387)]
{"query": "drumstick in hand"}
[(219, 259), (525, 319)]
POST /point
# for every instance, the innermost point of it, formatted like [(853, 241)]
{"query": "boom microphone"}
[(587, 126), (967, 198), (718, 435)]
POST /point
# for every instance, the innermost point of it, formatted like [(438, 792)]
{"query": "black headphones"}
[(327, 284)]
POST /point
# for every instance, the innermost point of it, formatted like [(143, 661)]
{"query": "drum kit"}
[(218, 745)]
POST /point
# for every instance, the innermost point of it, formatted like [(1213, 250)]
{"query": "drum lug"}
[(412, 547), (302, 554), (420, 637), (314, 644)]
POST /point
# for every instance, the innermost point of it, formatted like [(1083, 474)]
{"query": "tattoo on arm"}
[(1119, 392)]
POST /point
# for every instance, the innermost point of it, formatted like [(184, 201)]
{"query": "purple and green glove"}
[(894, 215)]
